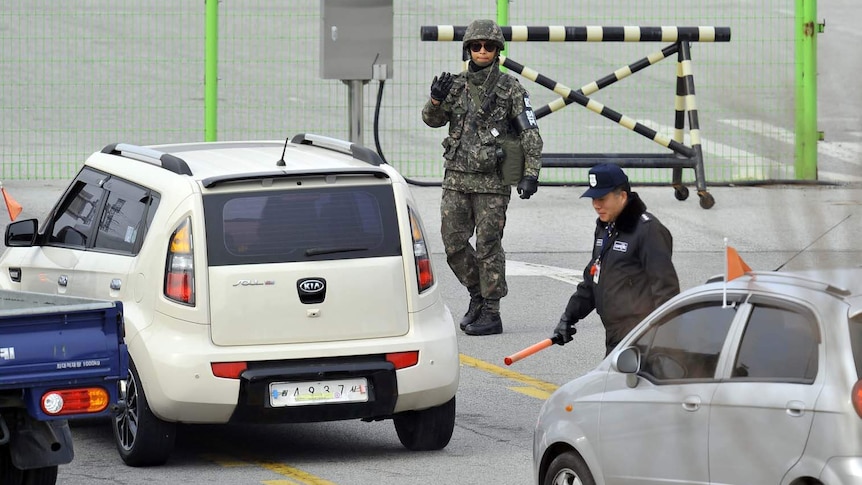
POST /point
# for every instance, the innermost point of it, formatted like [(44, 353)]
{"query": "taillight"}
[(75, 401), (856, 397), (424, 275), (180, 266), (228, 370)]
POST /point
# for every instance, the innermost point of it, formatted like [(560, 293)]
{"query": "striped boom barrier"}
[(606, 81), (588, 33), (683, 156), (578, 97)]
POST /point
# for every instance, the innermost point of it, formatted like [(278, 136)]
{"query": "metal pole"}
[(503, 19), (806, 90), (211, 72), (355, 108)]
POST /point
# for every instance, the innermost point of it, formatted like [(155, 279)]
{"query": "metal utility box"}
[(356, 39)]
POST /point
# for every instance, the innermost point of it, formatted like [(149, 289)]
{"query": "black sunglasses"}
[(477, 46)]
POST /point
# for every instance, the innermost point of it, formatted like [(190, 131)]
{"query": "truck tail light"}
[(180, 266), (424, 274), (75, 401), (856, 397)]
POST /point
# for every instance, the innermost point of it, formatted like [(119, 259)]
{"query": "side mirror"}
[(22, 233), (629, 362)]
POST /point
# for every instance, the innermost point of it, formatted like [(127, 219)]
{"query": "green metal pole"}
[(503, 19), (806, 90), (211, 72)]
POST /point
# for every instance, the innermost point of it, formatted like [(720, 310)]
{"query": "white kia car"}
[(262, 282)]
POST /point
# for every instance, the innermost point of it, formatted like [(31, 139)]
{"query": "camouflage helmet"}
[(484, 30)]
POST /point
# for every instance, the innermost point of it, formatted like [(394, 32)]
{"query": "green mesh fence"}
[(78, 75)]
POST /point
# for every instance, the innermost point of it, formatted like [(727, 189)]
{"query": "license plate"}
[(318, 392)]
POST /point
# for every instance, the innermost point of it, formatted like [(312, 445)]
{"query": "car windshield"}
[(301, 225)]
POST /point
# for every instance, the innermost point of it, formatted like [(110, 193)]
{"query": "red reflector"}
[(403, 359), (228, 370), (856, 397), (75, 401)]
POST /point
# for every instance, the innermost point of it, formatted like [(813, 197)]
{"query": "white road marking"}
[(850, 152), (757, 167), (521, 268)]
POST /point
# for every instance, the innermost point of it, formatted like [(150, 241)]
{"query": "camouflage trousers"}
[(484, 266)]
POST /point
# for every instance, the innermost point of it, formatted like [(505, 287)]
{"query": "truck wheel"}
[(142, 438), (429, 429), (40, 476), (10, 475)]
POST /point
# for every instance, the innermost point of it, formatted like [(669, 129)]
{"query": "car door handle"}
[(795, 408), (63, 280), (691, 403)]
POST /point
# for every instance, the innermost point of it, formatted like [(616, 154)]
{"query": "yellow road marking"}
[(515, 376), (532, 392), (301, 477)]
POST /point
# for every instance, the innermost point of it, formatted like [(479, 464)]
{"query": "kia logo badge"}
[(312, 285), (311, 290)]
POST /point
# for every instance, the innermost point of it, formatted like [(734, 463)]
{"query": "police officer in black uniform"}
[(631, 272)]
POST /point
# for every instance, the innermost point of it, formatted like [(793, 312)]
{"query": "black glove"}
[(528, 186), (565, 331), (440, 86)]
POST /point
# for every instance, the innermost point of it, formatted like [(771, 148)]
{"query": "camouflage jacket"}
[(480, 110)]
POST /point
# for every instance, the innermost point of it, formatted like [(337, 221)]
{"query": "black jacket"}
[(636, 274)]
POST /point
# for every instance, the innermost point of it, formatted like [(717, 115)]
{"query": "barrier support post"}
[(806, 90), (211, 72)]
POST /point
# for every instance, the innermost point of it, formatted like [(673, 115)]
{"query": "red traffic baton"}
[(544, 344)]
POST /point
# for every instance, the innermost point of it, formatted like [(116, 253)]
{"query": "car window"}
[(301, 225), (778, 344), (125, 218), (77, 214), (686, 343)]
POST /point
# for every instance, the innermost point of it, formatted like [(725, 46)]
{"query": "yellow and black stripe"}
[(606, 81), (586, 33), (592, 105)]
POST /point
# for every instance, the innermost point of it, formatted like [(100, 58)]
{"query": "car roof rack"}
[(167, 161), (358, 152)]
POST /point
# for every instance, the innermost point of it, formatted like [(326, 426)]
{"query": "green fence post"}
[(503, 19), (211, 72), (806, 90)]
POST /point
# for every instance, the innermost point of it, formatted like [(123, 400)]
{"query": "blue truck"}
[(61, 358)]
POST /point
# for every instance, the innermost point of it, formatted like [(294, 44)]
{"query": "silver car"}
[(752, 382)]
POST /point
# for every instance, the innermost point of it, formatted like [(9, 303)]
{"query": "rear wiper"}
[(344, 249)]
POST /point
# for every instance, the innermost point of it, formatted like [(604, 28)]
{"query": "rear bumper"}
[(254, 403), (173, 359)]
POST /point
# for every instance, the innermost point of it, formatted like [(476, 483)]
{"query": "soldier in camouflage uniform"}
[(493, 143)]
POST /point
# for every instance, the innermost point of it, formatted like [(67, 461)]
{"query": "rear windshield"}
[(856, 342), (301, 225)]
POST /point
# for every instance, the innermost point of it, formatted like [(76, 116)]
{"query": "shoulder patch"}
[(645, 217)]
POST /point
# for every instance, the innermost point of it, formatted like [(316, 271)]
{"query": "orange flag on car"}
[(12, 205), (736, 267)]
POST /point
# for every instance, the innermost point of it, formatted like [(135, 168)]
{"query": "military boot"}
[(473, 310), (489, 323)]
